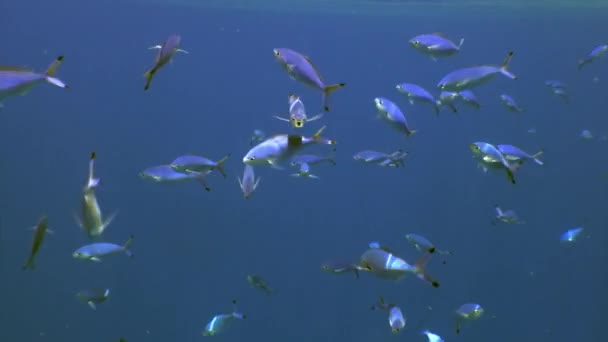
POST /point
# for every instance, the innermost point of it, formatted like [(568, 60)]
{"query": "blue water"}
[(193, 249)]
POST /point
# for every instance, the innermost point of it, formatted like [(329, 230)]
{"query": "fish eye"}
[(277, 53)]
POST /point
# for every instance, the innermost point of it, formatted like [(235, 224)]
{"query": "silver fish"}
[(91, 217), (435, 45), (466, 312), (166, 174), (304, 172), (219, 323), (164, 56), (19, 81), (93, 297), (469, 98), (198, 164), (301, 68), (297, 113), (510, 103), (396, 319), (416, 93), (248, 183), (506, 216), (423, 244), (40, 231), (596, 53), (384, 264), (96, 251), (393, 115), (467, 78)]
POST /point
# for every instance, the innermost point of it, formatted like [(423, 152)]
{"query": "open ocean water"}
[(193, 249)]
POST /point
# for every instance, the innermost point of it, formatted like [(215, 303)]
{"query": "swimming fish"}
[(432, 337), (96, 251), (467, 312), (219, 323), (423, 244), (258, 283), (304, 172), (416, 93), (301, 68), (447, 99), (510, 103), (596, 53), (91, 217), (570, 235), (506, 216), (198, 164), (396, 319), (297, 113), (339, 266), (384, 264), (395, 159), (469, 98), (19, 81), (281, 147), (40, 231), (467, 78), (393, 115), (586, 134), (311, 159), (435, 45), (485, 150), (166, 174), (165, 54), (514, 153), (248, 184), (93, 297)]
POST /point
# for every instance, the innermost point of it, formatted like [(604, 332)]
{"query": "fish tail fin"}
[(461, 42), (505, 65), (421, 266), (320, 140), (498, 210), (328, 90), (536, 155), (92, 182), (202, 181), (127, 246), (149, 75), (220, 165), (50, 71)]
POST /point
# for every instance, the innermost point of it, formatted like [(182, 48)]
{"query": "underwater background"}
[(193, 249)]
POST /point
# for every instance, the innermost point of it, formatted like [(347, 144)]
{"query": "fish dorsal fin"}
[(14, 68), (314, 68), (440, 34), (294, 140)]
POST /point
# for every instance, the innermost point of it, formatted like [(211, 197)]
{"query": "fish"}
[(432, 337), (93, 297), (40, 230), (257, 137), (394, 159), (248, 184), (311, 159), (219, 323), (468, 311), (281, 147), (447, 99), (166, 51), (571, 235), (91, 220), (596, 53), (423, 244), (340, 266), (470, 77), (393, 115), (304, 172), (385, 265), (483, 150), (469, 98), (514, 153), (258, 283), (95, 251), (19, 81), (554, 84), (416, 93), (300, 67), (506, 216), (297, 113), (435, 45), (369, 156), (396, 319), (166, 174), (198, 164), (510, 103), (586, 134)]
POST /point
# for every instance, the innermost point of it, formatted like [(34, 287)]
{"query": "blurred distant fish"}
[(395, 159), (91, 217), (165, 54), (297, 113), (258, 283), (467, 78), (435, 45), (393, 115), (396, 319), (257, 137), (571, 235), (558, 88), (40, 231), (416, 93), (311, 159), (304, 172), (469, 98), (301, 68), (96, 251), (166, 174), (506, 216), (553, 84), (423, 244), (219, 323), (510, 103), (281, 147), (432, 337), (248, 184), (586, 134), (19, 81), (467, 312), (596, 53), (93, 297)]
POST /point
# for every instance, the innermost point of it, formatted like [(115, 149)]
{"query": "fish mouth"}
[(298, 123)]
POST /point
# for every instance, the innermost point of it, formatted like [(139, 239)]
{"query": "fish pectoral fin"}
[(281, 118), (316, 117), (155, 47), (275, 165), (92, 305), (96, 259), (182, 51)]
